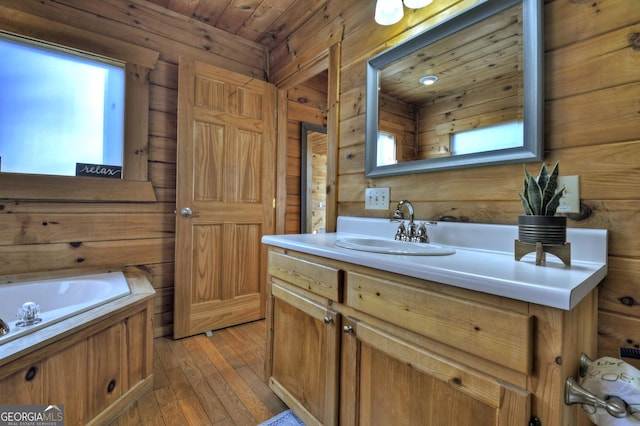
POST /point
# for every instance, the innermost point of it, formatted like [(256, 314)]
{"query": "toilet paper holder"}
[(576, 394)]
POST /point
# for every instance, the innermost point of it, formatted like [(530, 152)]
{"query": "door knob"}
[(186, 212)]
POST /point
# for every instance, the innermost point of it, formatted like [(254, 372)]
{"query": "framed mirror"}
[(467, 92), (313, 182)]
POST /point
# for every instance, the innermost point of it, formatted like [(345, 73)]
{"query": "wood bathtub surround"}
[(96, 363), (592, 121)]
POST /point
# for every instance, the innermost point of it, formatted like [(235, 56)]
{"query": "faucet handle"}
[(401, 232), (421, 234), (412, 232)]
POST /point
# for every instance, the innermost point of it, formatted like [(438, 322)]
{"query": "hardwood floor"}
[(202, 380)]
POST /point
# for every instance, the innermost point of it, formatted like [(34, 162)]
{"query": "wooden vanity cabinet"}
[(356, 346)]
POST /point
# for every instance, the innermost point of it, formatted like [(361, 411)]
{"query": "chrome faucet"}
[(414, 233), (398, 215), (4, 327)]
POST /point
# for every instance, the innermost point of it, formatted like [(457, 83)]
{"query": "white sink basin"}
[(380, 245)]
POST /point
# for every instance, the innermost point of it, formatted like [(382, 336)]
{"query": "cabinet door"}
[(390, 381), (305, 356)]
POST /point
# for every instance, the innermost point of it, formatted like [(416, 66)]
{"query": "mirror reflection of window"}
[(58, 107), (386, 149), (500, 136)]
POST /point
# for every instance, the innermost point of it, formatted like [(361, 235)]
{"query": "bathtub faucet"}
[(4, 327), (28, 314)]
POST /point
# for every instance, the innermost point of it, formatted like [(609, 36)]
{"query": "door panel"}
[(225, 176)]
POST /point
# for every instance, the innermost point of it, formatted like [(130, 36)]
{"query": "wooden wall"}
[(592, 127), (51, 236)]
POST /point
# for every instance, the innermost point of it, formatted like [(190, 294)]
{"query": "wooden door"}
[(386, 380), (225, 196)]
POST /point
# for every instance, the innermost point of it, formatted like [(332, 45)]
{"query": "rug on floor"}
[(286, 418)]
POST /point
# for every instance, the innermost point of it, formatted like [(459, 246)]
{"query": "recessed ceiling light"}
[(428, 80)]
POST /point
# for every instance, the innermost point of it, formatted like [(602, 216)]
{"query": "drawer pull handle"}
[(347, 329), (328, 320)]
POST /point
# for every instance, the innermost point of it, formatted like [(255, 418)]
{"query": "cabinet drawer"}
[(323, 280), (501, 336)]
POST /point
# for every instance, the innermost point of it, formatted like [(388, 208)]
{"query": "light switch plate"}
[(376, 199), (570, 201)]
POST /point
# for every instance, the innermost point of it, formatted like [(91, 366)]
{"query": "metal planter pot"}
[(548, 230)]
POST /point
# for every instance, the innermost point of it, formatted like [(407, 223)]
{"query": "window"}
[(61, 111), (138, 62)]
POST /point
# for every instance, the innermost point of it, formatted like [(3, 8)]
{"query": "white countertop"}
[(484, 259)]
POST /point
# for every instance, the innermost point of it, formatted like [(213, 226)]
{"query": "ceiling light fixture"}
[(417, 4), (388, 12), (428, 80)]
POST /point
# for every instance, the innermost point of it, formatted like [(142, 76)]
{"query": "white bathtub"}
[(59, 299)]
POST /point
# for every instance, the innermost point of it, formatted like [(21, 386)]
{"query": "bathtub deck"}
[(201, 380)]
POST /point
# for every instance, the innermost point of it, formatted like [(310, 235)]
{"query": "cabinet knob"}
[(328, 320), (347, 329)]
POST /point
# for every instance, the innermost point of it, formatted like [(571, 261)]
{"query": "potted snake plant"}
[(540, 199)]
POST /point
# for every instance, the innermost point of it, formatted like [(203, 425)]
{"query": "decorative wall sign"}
[(99, 170)]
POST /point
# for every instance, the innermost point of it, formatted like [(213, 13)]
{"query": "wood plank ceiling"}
[(267, 22)]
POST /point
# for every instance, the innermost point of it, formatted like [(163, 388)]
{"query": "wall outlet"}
[(570, 201), (376, 199)]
